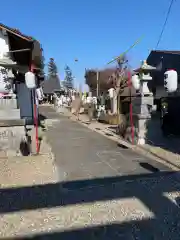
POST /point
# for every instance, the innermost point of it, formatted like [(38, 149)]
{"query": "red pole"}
[(130, 107)]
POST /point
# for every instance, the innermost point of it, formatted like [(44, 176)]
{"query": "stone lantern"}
[(142, 105)]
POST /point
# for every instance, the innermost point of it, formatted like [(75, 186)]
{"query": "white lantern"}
[(30, 80), (136, 82), (170, 81)]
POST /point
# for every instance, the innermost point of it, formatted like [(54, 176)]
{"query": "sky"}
[(94, 32)]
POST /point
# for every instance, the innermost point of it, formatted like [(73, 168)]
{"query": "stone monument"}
[(12, 127)]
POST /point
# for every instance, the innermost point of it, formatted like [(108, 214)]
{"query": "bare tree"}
[(120, 78), (120, 83)]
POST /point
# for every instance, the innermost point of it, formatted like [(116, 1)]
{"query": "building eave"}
[(16, 33)]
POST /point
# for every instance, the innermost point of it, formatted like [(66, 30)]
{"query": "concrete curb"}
[(174, 164), (139, 149)]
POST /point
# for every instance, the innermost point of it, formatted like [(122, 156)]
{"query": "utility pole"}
[(97, 81)]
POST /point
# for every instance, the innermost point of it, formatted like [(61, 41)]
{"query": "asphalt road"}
[(81, 153)]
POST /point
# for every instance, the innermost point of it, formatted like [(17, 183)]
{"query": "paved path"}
[(81, 153), (104, 192)]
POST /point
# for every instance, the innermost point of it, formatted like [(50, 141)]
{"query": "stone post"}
[(115, 104)]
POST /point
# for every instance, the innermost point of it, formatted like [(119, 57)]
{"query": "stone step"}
[(7, 114), (12, 122), (8, 104)]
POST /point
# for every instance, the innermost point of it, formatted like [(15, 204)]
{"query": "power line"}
[(165, 23)]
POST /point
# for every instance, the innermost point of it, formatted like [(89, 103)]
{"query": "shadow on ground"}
[(148, 188), (155, 136), (42, 118)]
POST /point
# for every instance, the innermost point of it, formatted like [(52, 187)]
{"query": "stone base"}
[(140, 128), (8, 104), (142, 107), (128, 135), (13, 140), (141, 141), (137, 139)]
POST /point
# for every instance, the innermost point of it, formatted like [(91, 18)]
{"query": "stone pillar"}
[(115, 103), (113, 100), (141, 112), (145, 105)]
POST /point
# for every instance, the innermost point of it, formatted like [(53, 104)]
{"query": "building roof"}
[(16, 32), (51, 84), (167, 51), (166, 58), (26, 48), (157, 55)]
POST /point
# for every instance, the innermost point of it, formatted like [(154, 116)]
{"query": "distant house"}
[(104, 81), (163, 60), (51, 85)]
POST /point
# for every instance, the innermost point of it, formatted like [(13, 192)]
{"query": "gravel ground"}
[(138, 209)]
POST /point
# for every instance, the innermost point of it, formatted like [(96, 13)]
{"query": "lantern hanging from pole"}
[(30, 80), (135, 82), (170, 81)]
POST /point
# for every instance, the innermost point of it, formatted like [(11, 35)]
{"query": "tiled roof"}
[(51, 84), (16, 32), (167, 51)]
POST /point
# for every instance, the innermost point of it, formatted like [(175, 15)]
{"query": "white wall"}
[(4, 44), (4, 48)]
